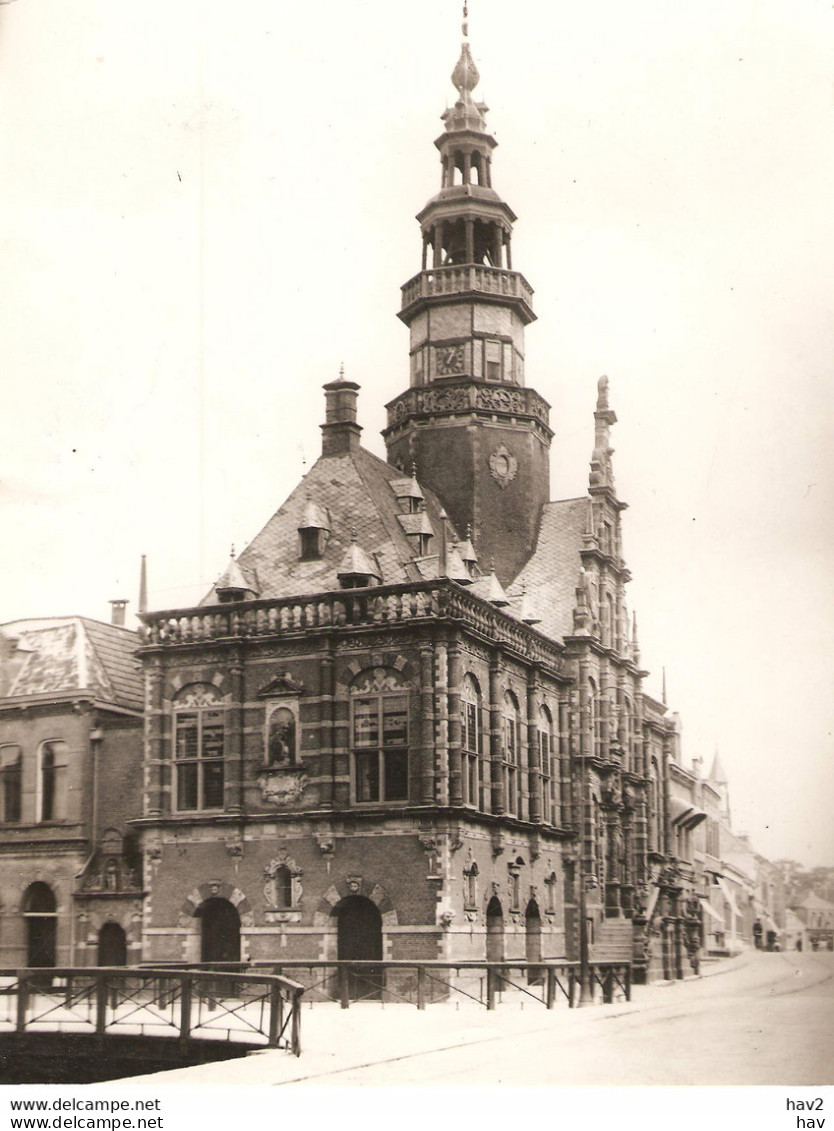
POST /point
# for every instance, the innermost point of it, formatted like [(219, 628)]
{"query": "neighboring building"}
[(71, 777), (817, 915)]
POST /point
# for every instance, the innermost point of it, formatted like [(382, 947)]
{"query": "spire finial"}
[(232, 551), (465, 24), (602, 474), (341, 371)]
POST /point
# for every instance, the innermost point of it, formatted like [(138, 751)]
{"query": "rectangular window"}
[(199, 747), (547, 785), (493, 360), (11, 783), (380, 742), (52, 784)]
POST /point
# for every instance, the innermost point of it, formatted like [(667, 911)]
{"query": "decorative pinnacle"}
[(341, 371), (465, 25)]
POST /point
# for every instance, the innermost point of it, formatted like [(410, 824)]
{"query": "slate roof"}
[(354, 490), (60, 654), (547, 583)]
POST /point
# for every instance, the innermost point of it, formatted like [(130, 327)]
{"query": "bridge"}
[(253, 1008)]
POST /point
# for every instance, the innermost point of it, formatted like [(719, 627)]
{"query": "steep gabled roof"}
[(355, 491), (549, 579), (60, 654)]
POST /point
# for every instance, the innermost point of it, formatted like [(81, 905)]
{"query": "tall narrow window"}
[(199, 731), (380, 740), (511, 752), (545, 762), (472, 734), (11, 783), (52, 785)]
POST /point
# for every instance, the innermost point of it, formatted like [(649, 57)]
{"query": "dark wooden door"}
[(112, 945), (495, 931), (220, 940), (360, 939)]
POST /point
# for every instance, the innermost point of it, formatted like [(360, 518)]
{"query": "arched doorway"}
[(495, 930), (533, 942), (360, 940), (112, 945), (220, 931), (40, 913)]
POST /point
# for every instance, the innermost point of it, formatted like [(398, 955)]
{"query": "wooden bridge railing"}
[(191, 1004), (422, 983)]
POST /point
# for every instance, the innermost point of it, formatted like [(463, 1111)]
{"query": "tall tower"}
[(479, 439)]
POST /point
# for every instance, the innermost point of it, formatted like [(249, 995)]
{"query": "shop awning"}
[(711, 911), (728, 895), (685, 814)]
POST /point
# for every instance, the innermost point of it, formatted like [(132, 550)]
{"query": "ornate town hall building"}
[(407, 721)]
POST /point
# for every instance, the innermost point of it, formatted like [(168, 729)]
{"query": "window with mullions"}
[(545, 756), (10, 783), (380, 746), (472, 742), (511, 736), (52, 786), (199, 729)]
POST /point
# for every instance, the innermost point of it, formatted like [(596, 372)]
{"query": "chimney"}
[(340, 432), (117, 613), (143, 586)]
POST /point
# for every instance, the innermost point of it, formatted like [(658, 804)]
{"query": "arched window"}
[(10, 783), (199, 742), (470, 886), (472, 741), (283, 887), (379, 730), (594, 719), (511, 751), (654, 840), (52, 784), (545, 764), (514, 870), (550, 890), (281, 738)]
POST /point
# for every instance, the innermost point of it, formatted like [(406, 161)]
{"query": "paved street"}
[(759, 1019)]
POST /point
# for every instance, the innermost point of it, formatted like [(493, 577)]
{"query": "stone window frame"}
[(204, 699), (382, 685), (546, 744), (511, 750), (11, 779), (51, 789), (470, 886), (472, 752), (550, 883)]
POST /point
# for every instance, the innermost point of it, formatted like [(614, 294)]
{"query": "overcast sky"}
[(207, 207)]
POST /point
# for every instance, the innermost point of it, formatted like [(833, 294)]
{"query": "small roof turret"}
[(233, 584), (357, 569)]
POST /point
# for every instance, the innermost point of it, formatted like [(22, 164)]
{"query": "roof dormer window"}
[(358, 569), (313, 532)]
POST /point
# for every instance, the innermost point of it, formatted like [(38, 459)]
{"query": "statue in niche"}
[(281, 737)]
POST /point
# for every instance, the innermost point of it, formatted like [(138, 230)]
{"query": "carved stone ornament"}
[(282, 684), (503, 465), (283, 788), (447, 918), (234, 847), (354, 884), (275, 875)]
